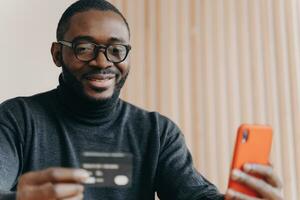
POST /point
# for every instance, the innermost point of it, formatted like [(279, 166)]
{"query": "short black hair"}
[(81, 6)]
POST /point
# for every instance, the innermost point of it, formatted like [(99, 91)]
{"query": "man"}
[(43, 135)]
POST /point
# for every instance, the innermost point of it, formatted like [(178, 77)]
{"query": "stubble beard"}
[(77, 86)]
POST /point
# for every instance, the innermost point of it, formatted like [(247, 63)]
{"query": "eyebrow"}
[(91, 39), (115, 39)]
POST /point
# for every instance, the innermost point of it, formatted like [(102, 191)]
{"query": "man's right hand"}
[(52, 184)]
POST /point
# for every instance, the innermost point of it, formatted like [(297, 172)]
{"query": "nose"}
[(101, 60)]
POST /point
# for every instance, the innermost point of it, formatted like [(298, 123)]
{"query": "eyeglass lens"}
[(87, 52)]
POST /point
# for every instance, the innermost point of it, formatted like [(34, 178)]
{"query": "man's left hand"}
[(269, 187)]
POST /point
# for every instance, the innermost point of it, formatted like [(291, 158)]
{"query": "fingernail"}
[(235, 174), (81, 174), (247, 167), (230, 192), (80, 188)]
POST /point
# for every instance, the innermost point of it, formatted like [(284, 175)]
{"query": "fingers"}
[(78, 197), (263, 188), (52, 184), (53, 191), (265, 171), (54, 175), (67, 190), (233, 195)]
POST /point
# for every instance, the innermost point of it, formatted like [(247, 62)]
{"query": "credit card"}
[(107, 169)]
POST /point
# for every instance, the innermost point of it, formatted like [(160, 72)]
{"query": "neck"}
[(84, 109)]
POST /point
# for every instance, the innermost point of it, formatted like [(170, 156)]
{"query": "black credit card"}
[(107, 169)]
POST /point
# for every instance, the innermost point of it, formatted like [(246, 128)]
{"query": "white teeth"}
[(100, 80)]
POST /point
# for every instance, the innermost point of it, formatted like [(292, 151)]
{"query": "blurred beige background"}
[(207, 64)]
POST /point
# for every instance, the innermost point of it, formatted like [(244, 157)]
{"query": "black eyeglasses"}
[(87, 51)]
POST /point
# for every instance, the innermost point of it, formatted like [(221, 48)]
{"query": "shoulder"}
[(142, 113), (154, 119), (20, 104), (18, 111)]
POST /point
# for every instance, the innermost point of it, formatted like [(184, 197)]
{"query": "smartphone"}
[(253, 145)]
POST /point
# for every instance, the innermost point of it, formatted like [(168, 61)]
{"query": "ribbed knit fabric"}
[(52, 128)]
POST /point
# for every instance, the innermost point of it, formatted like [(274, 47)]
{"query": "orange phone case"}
[(253, 145)]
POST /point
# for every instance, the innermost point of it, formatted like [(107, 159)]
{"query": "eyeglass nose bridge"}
[(98, 49)]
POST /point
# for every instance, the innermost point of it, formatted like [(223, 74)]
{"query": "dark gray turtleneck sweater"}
[(52, 128)]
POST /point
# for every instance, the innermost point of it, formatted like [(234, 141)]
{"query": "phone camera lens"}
[(245, 136)]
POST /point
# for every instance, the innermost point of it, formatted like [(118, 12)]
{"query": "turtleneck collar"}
[(85, 110)]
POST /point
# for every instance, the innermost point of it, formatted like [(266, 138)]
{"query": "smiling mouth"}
[(99, 79)]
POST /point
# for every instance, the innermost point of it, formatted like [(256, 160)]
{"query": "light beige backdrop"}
[(209, 65)]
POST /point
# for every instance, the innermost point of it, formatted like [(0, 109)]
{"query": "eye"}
[(84, 48), (117, 50)]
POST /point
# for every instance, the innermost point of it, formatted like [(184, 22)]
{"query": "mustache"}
[(102, 71)]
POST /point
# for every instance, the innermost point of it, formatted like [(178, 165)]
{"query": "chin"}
[(98, 96)]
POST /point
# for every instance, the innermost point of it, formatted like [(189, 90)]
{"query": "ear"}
[(56, 54)]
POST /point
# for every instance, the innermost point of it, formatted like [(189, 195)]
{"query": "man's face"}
[(98, 78)]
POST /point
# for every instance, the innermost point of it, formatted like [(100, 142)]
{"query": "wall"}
[(207, 64), (211, 65)]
